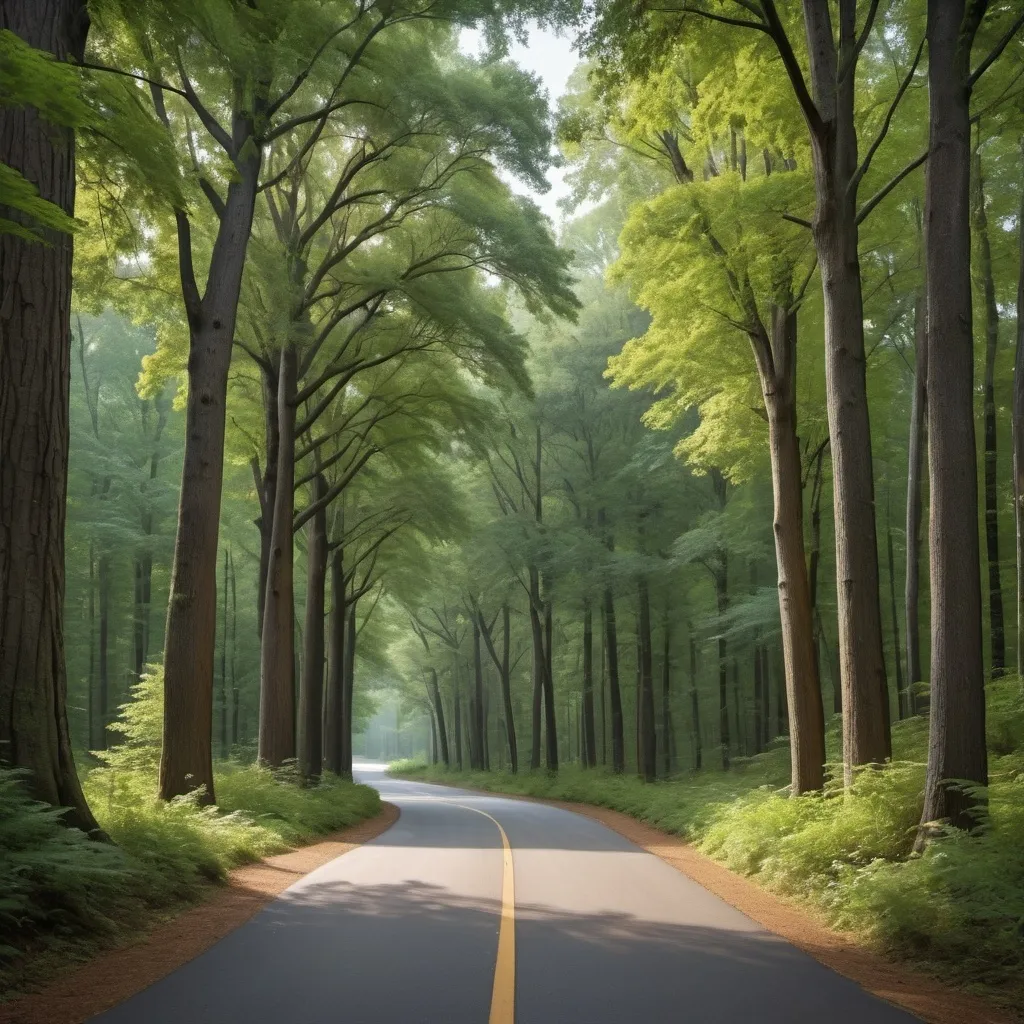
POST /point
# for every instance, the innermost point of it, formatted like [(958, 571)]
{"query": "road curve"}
[(405, 930)]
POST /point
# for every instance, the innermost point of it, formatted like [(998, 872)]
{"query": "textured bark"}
[(186, 761), (987, 287), (334, 692), (277, 644), (311, 683), (35, 356), (915, 504), (956, 747), (647, 755), (834, 156)]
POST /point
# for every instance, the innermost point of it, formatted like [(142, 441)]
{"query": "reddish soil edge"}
[(111, 978), (895, 982)]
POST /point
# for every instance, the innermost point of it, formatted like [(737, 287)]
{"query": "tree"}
[(35, 351)]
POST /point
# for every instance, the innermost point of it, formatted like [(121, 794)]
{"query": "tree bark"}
[(834, 156), (956, 749), (668, 741), (550, 717), (648, 756), (897, 653), (334, 696), (503, 665), (103, 576), (348, 690), (35, 357), (311, 683), (698, 747), (589, 731), (477, 719), (987, 286), (186, 761), (277, 644), (614, 691), (442, 732), (915, 457), (235, 696), (538, 669), (224, 664), (267, 487)]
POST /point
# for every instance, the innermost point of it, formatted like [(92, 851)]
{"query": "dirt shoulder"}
[(113, 977), (894, 981)]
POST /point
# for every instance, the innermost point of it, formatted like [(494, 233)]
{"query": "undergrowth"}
[(64, 896), (957, 909)]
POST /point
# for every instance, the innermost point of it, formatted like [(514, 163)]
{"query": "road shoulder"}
[(896, 982), (111, 978)]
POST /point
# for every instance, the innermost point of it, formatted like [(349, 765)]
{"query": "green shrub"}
[(63, 893)]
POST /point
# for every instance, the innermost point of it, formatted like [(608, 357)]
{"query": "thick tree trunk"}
[(956, 749), (334, 694), (834, 155), (311, 683), (915, 457), (987, 287), (1018, 434), (442, 732), (897, 653), (267, 487), (186, 761), (224, 663), (647, 755), (277, 644), (35, 358), (589, 732)]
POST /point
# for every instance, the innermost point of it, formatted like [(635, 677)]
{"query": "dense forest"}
[(306, 409)]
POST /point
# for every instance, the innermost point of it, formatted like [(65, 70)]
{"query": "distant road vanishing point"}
[(482, 910)]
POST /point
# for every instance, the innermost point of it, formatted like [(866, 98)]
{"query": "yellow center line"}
[(503, 995)]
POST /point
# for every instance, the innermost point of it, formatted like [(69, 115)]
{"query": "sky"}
[(553, 59)]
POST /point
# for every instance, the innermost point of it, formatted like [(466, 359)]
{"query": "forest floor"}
[(84, 990), (844, 868)]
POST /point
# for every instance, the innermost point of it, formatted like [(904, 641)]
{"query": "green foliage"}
[(63, 893)]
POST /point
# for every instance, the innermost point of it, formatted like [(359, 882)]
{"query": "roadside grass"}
[(956, 910), (64, 897)]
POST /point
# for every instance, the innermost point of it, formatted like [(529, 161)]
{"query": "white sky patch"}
[(553, 59)]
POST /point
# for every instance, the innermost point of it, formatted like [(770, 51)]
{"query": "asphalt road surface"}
[(438, 921)]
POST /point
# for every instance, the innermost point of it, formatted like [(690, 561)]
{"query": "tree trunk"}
[(537, 636), (334, 696), (103, 574), (698, 748), (898, 654), (915, 456), (647, 759), (956, 748), (267, 486), (442, 732), (614, 691), (224, 666), (311, 683), (1018, 434), (589, 731), (277, 644), (234, 647), (722, 595), (478, 698), (186, 761), (667, 735), (457, 719), (95, 735), (348, 689), (834, 155), (987, 286), (35, 359), (803, 687), (550, 718)]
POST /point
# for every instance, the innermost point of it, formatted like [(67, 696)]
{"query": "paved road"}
[(405, 930)]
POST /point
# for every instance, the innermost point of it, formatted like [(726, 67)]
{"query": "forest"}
[(702, 500)]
